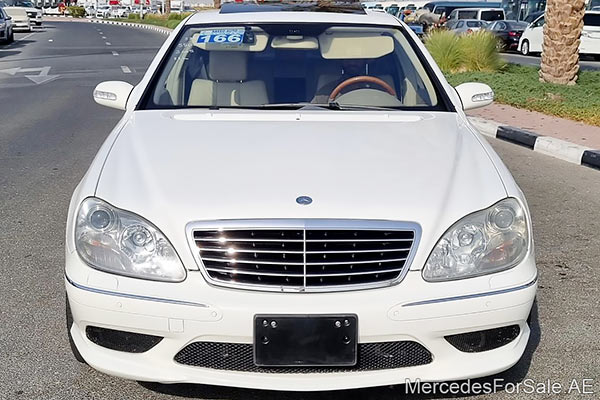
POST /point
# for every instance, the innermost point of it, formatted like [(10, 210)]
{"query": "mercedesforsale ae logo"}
[(303, 200)]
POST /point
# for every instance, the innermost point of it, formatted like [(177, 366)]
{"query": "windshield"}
[(591, 20), (492, 15), (23, 3), (267, 65)]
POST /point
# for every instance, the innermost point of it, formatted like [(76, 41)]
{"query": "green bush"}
[(175, 16), (154, 17), (76, 11), (480, 51), (446, 50), (477, 51), (179, 16), (172, 23), (133, 16)]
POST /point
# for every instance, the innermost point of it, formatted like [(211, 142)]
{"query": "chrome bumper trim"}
[(133, 296), (472, 296)]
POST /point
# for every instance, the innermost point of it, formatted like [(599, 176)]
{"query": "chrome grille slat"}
[(254, 240), (252, 262), (357, 240), (244, 272), (356, 262), (253, 251), (357, 251), (304, 255)]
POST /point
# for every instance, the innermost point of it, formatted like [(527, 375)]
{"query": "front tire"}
[(11, 37), (525, 48), (69, 319)]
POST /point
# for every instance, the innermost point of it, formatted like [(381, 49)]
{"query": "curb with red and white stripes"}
[(550, 146), (163, 30)]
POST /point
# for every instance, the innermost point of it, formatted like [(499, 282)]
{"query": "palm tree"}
[(562, 32), (167, 7)]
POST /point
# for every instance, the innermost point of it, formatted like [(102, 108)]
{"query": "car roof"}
[(368, 17), (478, 8)]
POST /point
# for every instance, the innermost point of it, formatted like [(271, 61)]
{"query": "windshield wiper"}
[(334, 105)]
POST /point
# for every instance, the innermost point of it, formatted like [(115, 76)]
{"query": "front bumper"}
[(193, 311)]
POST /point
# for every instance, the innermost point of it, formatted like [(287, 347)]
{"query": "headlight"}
[(481, 243), (123, 243)]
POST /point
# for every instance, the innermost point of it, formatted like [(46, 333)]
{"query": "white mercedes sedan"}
[(295, 200)]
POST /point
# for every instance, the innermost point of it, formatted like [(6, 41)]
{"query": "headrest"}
[(227, 66)]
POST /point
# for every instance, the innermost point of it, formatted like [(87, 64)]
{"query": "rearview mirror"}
[(475, 95), (113, 94)]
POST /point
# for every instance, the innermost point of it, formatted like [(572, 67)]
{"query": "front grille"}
[(240, 357), (304, 258)]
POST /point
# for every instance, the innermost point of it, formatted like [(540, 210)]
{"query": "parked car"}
[(533, 16), (121, 12), (446, 7), (103, 12), (258, 223), (35, 15), (483, 14), (532, 39), (6, 28), (462, 26), (20, 19), (508, 32)]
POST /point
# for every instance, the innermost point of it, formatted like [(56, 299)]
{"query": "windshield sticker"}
[(225, 36)]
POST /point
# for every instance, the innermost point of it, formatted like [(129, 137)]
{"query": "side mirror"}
[(113, 94), (475, 95), (8, 18)]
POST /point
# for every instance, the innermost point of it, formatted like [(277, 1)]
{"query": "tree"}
[(562, 32), (167, 7)]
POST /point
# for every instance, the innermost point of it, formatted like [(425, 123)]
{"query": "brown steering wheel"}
[(358, 79)]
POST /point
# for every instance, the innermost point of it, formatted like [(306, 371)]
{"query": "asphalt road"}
[(586, 64), (50, 131)]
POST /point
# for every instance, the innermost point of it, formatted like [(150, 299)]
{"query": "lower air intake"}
[(475, 342), (128, 342), (239, 357)]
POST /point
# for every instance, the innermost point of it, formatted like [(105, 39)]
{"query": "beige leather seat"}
[(227, 86)]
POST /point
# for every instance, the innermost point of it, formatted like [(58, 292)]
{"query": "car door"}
[(590, 36), (535, 35)]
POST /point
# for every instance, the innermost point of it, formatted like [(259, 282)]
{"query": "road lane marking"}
[(125, 69), (114, 53), (38, 79), (108, 43), (24, 37), (104, 37)]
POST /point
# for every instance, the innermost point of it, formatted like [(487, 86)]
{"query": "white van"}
[(482, 14)]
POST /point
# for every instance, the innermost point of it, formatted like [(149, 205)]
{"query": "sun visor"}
[(348, 45)]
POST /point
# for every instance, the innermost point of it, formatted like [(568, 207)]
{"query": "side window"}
[(539, 23), (500, 26), (460, 24), (493, 26)]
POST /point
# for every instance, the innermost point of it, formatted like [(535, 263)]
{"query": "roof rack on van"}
[(333, 6)]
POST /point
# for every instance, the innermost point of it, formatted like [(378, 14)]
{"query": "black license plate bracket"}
[(305, 340)]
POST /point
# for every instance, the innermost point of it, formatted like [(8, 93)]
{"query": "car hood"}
[(176, 167)]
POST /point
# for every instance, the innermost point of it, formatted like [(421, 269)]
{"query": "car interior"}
[(284, 65)]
